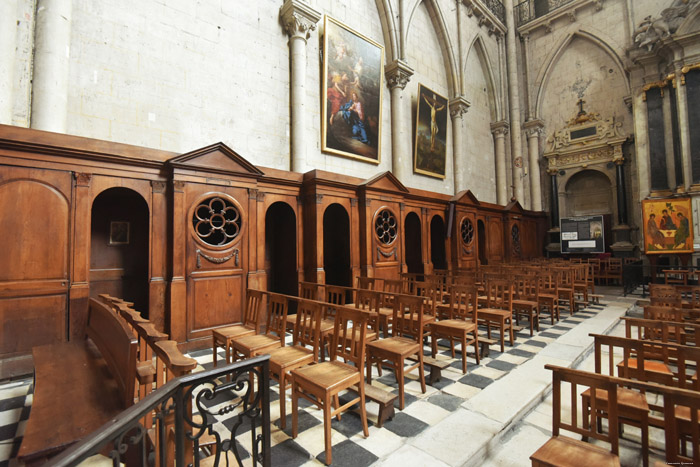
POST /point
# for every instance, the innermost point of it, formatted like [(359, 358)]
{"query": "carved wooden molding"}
[(82, 179), (252, 193), (157, 186), (385, 254), (179, 186), (234, 254)]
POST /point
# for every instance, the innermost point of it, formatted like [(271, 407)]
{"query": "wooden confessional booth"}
[(184, 235)]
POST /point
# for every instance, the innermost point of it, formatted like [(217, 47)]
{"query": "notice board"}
[(582, 234)]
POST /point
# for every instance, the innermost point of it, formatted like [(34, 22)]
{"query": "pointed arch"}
[(689, 23), (390, 31), (443, 37), (546, 70), (477, 46)]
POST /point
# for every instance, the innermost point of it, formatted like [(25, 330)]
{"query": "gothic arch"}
[(443, 37), (477, 46), (546, 70), (390, 31), (690, 23)]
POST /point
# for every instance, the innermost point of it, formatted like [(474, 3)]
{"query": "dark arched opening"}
[(336, 246), (119, 250), (281, 249), (481, 238), (413, 243), (437, 243)]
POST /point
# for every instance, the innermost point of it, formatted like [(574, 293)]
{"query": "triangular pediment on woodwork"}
[(465, 197), (385, 181), (514, 207), (217, 158)]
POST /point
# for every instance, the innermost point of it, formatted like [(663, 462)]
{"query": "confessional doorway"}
[(336, 246), (437, 243), (481, 241), (119, 250), (413, 244), (281, 249)]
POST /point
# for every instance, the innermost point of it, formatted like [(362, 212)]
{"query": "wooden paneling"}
[(216, 301), (30, 321)]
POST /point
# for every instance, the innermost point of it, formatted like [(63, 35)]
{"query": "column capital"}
[(533, 127), (500, 128), (459, 106), (298, 18), (398, 73)]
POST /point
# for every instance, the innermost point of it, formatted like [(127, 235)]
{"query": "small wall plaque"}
[(118, 233)]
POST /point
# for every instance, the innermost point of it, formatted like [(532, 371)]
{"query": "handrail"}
[(175, 399)]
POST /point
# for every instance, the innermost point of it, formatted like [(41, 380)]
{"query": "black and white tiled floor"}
[(350, 447)]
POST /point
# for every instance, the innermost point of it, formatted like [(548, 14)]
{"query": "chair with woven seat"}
[(498, 311), (321, 383), (563, 450), (462, 322), (258, 344), (406, 341), (303, 351), (223, 337)]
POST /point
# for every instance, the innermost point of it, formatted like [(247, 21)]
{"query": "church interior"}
[(216, 176)]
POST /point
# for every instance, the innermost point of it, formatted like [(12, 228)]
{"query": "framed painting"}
[(430, 150), (668, 226), (118, 233), (353, 70)]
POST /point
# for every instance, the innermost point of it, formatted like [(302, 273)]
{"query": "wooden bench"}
[(484, 343), (436, 367), (79, 386), (385, 399)]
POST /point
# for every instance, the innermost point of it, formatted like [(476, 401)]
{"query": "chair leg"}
[(283, 400), (398, 371), (510, 331), (295, 408), (464, 352), (336, 404), (433, 344), (421, 371), (368, 359), (363, 411), (213, 350), (327, 428), (476, 345)]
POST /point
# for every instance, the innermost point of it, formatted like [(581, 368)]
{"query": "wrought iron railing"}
[(632, 276), (497, 9), (532, 9), (181, 434)]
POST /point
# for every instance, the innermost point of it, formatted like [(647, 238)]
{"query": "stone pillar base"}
[(622, 248), (553, 248)]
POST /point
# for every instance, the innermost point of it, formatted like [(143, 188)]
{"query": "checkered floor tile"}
[(350, 447)]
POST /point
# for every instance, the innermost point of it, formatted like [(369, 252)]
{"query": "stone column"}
[(641, 144), (668, 132), (554, 246), (534, 129), (683, 130), (398, 73), (500, 130), (621, 232), (8, 41), (299, 20), (458, 107), (514, 100), (51, 65)]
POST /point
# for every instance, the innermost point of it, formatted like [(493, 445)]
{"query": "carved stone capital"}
[(298, 18), (398, 74), (82, 179), (500, 129), (628, 103), (158, 186), (459, 106), (533, 128)]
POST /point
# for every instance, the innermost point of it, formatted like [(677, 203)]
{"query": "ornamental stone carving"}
[(398, 74), (652, 30), (298, 18), (458, 107)]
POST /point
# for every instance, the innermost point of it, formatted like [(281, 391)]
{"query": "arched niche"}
[(281, 249), (438, 255), (413, 243), (588, 192), (336, 246), (119, 247), (481, 242)]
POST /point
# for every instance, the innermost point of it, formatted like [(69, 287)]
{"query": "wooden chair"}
[(251, 346), (223, 337), (366, 282), (664, 295), (562, 450), (406, 341), (462, 322), (548, 294), (681, 424), (565, 277), (370, 301), (525, 301), (320, 384), (499, 309), (303, 351)]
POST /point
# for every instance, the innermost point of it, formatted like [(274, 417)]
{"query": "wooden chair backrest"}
[(579, 381), (650, 329), (547, 282), (368, 300), (663, 313), (566, 276), (277, 316), (117, 345), (253, 305), (664, 295), (307, 331), (463, 302), (349, 332), (692, 295), (308, 290), (408, 317), (335, 294), (525, 287), (394, 286), (499, 294), (364, 282), (681, 410)]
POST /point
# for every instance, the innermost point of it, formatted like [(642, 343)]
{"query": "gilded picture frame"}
[(430, 148), (668, 226), (353, 80)]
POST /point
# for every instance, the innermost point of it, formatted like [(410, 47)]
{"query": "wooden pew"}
[(78, 386)]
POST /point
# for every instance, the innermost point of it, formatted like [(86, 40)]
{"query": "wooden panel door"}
[(35, 208)]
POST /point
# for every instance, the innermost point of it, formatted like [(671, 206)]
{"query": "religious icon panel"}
[(668, 226), (431, 134), (352, 93)]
